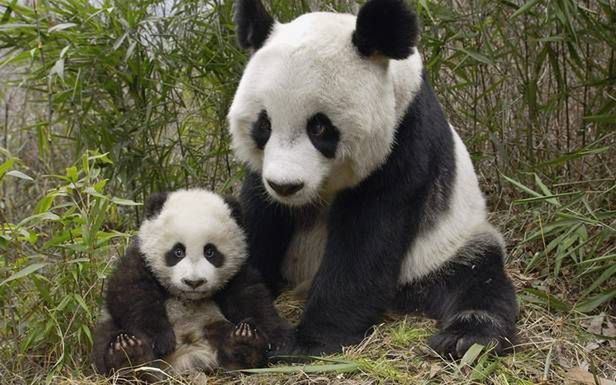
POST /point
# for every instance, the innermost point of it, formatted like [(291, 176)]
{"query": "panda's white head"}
[(318, 103), (192, 241)]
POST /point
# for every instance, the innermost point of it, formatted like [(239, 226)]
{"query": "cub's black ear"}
[(252, 22), (154, 204), (236, 209), (386, 27)]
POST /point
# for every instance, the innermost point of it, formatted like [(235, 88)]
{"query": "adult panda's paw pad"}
[(246, 333), (454, 345), (127, 350), (470, 327)]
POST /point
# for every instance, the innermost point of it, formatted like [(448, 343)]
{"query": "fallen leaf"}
[(595, 324), (581, 376)]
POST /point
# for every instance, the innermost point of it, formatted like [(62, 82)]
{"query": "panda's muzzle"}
[(193, 283), (286, 189)]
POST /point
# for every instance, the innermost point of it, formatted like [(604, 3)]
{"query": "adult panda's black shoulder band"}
[(386, 27), (253, 23)]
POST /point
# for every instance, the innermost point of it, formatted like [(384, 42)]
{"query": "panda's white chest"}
[(305, 251), (189, 320)]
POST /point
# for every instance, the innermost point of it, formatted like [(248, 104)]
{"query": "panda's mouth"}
[(193, 294)]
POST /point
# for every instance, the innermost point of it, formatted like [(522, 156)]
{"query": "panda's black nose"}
[(286, 189), (194, 283)]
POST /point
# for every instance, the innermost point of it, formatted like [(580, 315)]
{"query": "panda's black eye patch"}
[(175, 255), (211, 253), (323, 134), (261, 130)]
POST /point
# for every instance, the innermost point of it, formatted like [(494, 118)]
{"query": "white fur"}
[(194, 218), (465, 219), (308, 66), (189, 320), (305, 252)]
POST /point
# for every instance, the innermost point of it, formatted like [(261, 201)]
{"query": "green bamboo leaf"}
[(25, 272), (6, 165), (12, 26), (61, 27), (20, 175), (125, 202), (477, 56), (522, 187), (596, 301), (603, 118), (525, 8), (325, 368), (471, 355)]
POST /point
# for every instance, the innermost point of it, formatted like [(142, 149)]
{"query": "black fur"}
[(171, 259), (466, 286), (154, 204), (386, 27), (261, 130), (253, 23), (136, 303), (269, 230), (245, 296), (370, 229), (236, 209), (327, 139), (217, 258)]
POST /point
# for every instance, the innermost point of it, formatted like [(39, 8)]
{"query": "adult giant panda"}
[(357, 185)]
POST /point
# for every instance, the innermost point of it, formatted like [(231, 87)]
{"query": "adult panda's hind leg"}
[(472, 298)]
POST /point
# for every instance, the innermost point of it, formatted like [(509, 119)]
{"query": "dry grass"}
[(554, 348)]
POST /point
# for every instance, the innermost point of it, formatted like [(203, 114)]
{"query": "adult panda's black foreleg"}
[(472, 298), (269, 228), (357, 278)]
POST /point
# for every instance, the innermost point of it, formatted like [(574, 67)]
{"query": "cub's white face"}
[(193, 246), (311, 113)]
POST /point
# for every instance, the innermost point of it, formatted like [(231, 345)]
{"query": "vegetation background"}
[(105, 101)]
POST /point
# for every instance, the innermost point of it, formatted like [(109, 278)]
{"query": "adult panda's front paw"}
[(467, 328), (163, 343)]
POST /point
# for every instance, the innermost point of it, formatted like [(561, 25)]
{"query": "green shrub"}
[(54, 262)]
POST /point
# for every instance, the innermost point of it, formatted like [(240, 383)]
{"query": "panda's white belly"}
[(305, 252), (189, 319)]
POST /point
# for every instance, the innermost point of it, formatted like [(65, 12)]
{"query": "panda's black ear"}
[(252, 23), (154, 204), (386, 27), (236, 209)]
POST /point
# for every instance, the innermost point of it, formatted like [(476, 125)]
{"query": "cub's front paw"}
[(473, 327), (127, 350)]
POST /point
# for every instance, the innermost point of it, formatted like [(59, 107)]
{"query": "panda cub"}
[(182, 294)]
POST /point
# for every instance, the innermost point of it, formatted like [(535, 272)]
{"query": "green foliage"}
[(54, 261), (530, 85), (574, 235)]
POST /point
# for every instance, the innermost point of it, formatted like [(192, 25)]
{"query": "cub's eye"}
[(213, 255), (209, 251), (261, 130), (179, 251)]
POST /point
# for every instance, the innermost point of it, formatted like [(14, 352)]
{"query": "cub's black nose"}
[(194, 283), (286, 189)]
